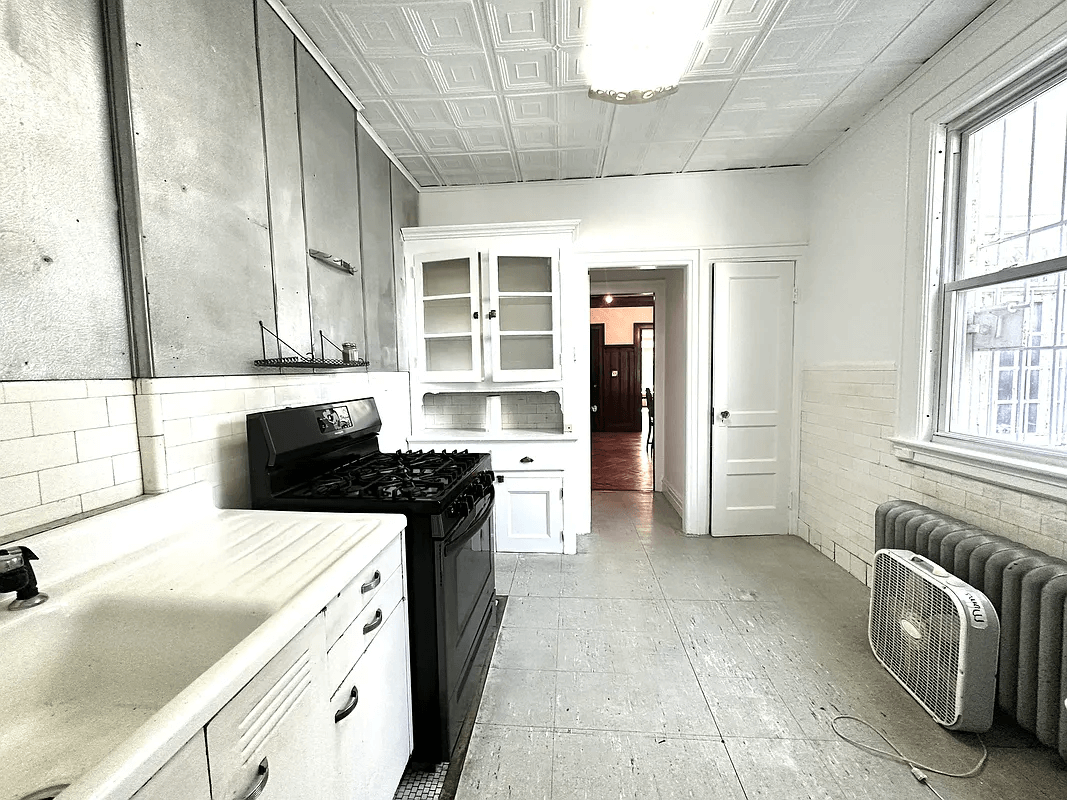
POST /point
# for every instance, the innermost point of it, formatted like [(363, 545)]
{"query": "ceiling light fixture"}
[(637, 50), (608, 298)]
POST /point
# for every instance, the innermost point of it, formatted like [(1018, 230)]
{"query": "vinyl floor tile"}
[(623, 766), (722, 676)]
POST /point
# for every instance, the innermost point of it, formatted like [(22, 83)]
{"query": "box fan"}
[(938, 636)]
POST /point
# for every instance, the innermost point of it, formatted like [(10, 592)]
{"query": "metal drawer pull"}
[(525, 460), (374, 623), (349, 708), (372, 583), (262, 775)]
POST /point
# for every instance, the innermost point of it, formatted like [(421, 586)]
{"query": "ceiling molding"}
[(562, 227)]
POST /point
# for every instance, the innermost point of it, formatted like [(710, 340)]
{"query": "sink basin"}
[(78, 679)]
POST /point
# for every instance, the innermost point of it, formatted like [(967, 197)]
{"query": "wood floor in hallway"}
[(621, 463)]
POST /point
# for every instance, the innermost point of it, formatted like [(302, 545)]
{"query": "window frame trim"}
[(953, 174)]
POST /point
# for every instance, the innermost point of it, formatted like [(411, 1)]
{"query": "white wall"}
[(669, 428), (740, 208), (861, 300)]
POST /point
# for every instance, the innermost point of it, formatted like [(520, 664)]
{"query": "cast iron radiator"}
[(1029, 590)]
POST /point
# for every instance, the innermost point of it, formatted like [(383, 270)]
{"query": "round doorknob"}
[(724, 415)]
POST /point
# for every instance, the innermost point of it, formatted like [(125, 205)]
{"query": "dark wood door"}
[(621, 389), (596, 375)]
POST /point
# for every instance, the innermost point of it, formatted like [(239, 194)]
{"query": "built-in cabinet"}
[(529, 512), (274, 734), (328, 717), (491, 359), (488, 315)]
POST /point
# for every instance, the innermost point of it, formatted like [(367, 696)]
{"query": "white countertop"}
[(264, 573)]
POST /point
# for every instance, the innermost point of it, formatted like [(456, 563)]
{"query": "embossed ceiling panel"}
[(488, 91)]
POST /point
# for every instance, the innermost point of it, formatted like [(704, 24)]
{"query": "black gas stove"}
[(325, 458)]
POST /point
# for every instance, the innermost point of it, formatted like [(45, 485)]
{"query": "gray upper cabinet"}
[(198, 134), (62, 313), (376, 229), (405, 200), (331, 204), (277, 67)]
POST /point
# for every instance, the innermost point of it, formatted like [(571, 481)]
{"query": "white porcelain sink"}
[(159, 613), (80, 677)]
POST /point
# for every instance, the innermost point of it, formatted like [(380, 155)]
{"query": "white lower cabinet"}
[(184, 776), (529, 512), (272, 739), (371, 714)]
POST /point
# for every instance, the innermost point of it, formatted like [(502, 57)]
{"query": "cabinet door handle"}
[(374, 623), (372, 583), (525, 460), (260, 783), (492, 313), (350, 706)]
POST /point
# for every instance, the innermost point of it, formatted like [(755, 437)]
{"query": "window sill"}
[(1029, 477)]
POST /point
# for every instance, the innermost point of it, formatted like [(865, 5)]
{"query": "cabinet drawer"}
[(351, 644), (351, 600), (277, 727), (372, 717), (538, 457)]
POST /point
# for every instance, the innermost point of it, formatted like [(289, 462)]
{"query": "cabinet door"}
[(524, 324), (447, 292), (276, 731), (372, 717), (529, 513), (184, 776)]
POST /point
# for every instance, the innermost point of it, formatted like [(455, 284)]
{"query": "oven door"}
[(467, 591)]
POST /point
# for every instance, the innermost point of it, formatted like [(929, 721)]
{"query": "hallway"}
[(654, 665), (621, 462)]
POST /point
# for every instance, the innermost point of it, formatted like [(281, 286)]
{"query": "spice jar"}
[(349, 352)]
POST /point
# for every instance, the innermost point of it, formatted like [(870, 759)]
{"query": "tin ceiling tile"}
[(663, 157), (485, 138), (407, 75), (440, 141), (381, 115), (376, 30), (529, 69), (520, 24), (465, 73), (359, 79), (494, 76), (535, 137), (722, 54), (443, 28), (532, 109), (573, 18), (474, 112), (428, 114)]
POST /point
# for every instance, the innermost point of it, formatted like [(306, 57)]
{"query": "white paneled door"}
[(752, 355)]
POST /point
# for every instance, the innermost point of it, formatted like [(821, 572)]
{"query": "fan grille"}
[(915, 630)]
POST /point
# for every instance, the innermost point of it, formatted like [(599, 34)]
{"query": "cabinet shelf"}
[(456, 335)]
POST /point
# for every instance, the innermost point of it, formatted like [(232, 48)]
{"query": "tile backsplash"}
[(536, 411), (66, 447), (70, 447), (847, 468), (475, 411)]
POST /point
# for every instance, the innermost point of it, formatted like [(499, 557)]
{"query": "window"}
[(1004, 294)]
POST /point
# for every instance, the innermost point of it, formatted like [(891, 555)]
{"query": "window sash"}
[(953, 257)]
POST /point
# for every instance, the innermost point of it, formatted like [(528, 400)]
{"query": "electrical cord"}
[(917, 769)]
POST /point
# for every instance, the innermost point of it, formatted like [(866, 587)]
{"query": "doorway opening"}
[(622, 394)]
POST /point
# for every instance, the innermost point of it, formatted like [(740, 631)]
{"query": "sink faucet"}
[(16, 575)]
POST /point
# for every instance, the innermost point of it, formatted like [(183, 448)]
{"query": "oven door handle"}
[(469, 532)]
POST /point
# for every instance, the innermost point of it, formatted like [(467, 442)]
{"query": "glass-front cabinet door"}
[(524, 316), (448, 292)]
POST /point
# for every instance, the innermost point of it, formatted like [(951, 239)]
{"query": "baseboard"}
[(673, 497)]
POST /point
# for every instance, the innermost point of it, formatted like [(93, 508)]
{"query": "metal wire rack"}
[(301, 361)]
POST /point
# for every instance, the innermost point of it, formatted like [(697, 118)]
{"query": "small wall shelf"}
[(299, 361)]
